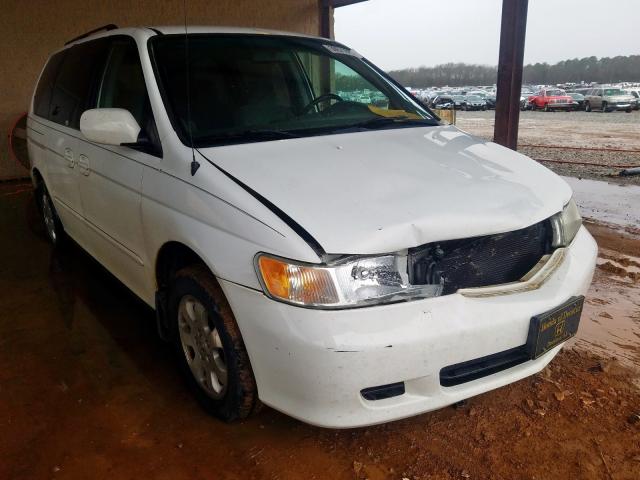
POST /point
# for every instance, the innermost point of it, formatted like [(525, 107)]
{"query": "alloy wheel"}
[(202, 347), (49, 218)]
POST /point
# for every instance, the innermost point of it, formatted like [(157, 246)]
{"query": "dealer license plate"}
[(550, 329)]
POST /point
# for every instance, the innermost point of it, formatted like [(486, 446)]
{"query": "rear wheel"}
[(52, 224), (209, 347)]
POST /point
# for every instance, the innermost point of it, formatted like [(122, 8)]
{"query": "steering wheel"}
[(322, 98)]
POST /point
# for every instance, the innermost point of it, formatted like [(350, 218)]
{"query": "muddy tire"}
[(209, 346), (52, 225)]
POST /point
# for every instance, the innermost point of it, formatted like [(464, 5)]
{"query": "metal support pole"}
[(512, 38), (326, 13)]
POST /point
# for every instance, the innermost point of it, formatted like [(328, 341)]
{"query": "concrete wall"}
[(30, 31)]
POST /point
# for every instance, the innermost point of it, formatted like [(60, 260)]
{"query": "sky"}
[(397, 34)]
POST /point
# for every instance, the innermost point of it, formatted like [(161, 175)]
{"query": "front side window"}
[(254, 87), (123, 84)]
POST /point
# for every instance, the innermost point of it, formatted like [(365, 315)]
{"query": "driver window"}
[(328, 75), (123, 83)]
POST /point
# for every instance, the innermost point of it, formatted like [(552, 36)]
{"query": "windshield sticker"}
[(342, 50)]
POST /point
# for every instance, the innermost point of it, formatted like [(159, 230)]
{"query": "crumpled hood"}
[(387, 190)]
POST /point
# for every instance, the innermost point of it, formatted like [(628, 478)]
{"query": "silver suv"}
[(608, 99)]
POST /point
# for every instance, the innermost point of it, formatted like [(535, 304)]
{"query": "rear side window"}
[(42, 97), (75, 84)]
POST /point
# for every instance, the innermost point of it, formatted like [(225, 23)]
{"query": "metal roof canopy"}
[(510, 63)]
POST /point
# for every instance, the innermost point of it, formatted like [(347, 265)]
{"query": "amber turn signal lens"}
[(299, 284), (274, 275)]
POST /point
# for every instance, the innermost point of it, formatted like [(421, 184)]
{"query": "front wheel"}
[(209, 347), (587, 107), (604, 107), (546, 107)]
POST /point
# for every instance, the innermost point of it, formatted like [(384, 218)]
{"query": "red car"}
[(551, 99)]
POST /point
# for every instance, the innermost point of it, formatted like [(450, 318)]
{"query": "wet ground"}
[(608, 202), (613, 130), (88, 391)]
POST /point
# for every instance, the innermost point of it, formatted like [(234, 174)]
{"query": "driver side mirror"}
[(109, 126)]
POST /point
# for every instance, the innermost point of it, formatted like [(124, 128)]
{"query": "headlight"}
[(566, 224), (352, 282)]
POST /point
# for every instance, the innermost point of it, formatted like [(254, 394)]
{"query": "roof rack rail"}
[(106, 28)]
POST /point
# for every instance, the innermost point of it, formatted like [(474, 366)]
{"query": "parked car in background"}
[(458, 100), (444, 102), (635, 93), (477, 93), (491, 101), (581, 90), (267, 229), (474, 102), (525, 93), (578, 100), (609, 99), (551, 99)]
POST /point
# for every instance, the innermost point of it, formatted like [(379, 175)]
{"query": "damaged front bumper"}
[(329, 368)]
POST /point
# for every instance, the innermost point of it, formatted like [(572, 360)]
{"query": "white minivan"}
[(347, 263)]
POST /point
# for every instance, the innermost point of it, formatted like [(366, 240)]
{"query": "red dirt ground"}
[(88, 391)]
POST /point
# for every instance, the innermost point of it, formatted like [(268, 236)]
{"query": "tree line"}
[(588, 69)]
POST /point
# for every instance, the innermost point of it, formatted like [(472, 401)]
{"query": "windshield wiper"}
[(254, 135), (382, 122)]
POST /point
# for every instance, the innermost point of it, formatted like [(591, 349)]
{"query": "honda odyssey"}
[(345, 258)]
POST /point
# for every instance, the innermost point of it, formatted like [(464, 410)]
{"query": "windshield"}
[(473, 98), (256, 87), (555, 93), (613, 91)]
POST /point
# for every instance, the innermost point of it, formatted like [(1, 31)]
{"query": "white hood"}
[(387, 190)]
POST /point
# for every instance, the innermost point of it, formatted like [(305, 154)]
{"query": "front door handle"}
[(83, 165), (68, 155)]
